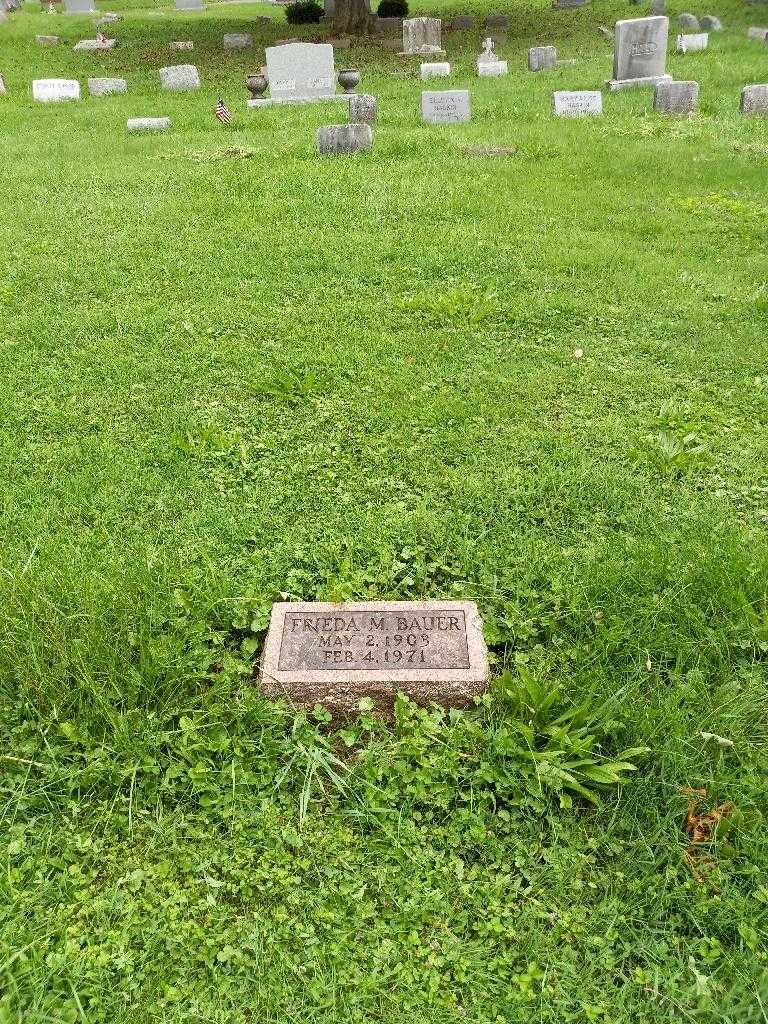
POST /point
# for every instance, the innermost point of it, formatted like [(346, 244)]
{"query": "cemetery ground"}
[(520, 360)]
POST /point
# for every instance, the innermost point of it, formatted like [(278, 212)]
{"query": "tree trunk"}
[(352, 18)]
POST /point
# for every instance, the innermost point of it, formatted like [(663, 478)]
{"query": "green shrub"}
[(307, 12), (392, 9)]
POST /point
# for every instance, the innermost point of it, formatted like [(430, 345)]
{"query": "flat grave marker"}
[(54, 90), (583, 103), (334, 654), (450, 106)]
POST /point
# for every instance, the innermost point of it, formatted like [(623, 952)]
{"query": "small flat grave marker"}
[(238, 41), (343, 139), (147, 124), (182, 44), (436, 69), (48, 40), (54, 90), (334, 654), (106, 86), (96, 44), (577, 104), (676, 97), (180, 78), (79, 6), (189, 5), (450, 106), (754, 32)]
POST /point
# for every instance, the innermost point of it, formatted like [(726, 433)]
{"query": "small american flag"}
[(222, 113), (101, 38)]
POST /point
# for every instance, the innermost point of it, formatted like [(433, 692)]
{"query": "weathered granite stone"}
[(48, 40), (462, 23), (540, 57), (488, 64), (336, 654), (497, 21), (577, 103), (96, 44), (180, 78), (450, 106), (754, 99), (301, 71), (53, 90), (692, 42), (753, 32), (148, 124), (106, 86), (79, 7), (343, 139), (710, 23), (362, 109), (561, 5), (676, 97), (238, 41), (108, 19), (640, 52), (182, 44), (421, 35), (688, 22), (436, 69)]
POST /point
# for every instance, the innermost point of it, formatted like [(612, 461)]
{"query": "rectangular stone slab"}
[(299, 71), (334, 654), (450, 106), (577, 104), (640, 48)]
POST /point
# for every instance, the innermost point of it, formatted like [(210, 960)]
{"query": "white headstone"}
[(692, 42), (96, 44), (301, 71), (189, 5), (448, 107), (148, 124), (577, 104), (52, 90), (79, 6), (540, 57), (757, 33), (437, 69)]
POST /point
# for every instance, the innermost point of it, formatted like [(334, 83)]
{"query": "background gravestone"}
[(540, 57), (238, 41), (148, 124), (79, 7), (53, 90), (343, 139), (710, 23), (189, 5), (362, 108), (106, 86), (640, 52), (301, 71), (692, 42), (688, 22), (435, 69), (451, 106), (676, 97), (583, 103), (754, 99), (421, 35), (180, 78)]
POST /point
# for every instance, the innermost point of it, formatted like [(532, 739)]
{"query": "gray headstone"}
[(189, 5), (540, 57), (343, 139), (335, 654), (753, 32), (561, 5), (497, 21), (676, 97), (79, 6), (450, 106), (182, 44), (48, 40), (577, 103), (462, 23), (687, 22), (53, 90), (106, 86), (389, 26), (238, 41), (148, 124), (659, 8), (362, 109), (108, 19), (640, 51), (435, 69), (96, 44), (301, 71), (692, 42), (710, 23), (754, 99), (422, 35), (180, 78)]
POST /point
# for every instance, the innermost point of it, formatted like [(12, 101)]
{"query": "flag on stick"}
[(222, 113)]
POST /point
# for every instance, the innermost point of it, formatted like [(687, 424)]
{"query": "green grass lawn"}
[(230, 371)]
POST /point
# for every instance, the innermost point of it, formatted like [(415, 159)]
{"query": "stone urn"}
[(349, 79), (256, 84)]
